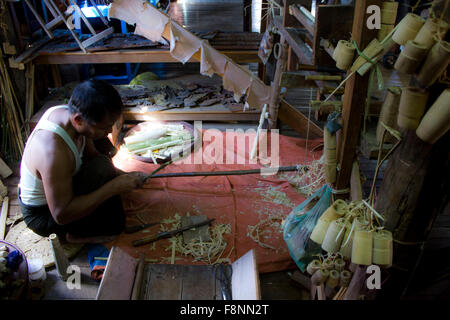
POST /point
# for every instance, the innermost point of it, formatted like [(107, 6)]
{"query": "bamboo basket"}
[(389, 113), (382, 248), (435, 64), (411, 57), (408, 28), (389, 12), (412, 106), (362, 247), (432, 31), (436, 121), (344, 54)]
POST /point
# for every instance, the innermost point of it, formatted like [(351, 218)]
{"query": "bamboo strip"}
[(61, 261), (4, 215)]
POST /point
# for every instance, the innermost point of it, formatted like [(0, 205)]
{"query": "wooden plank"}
[(5, 171), (118, 278), (288, 19), (356, 284), (199, 283), (133, 56), (302, 18), (191, 116), (296, 80), (301, 279), (294, 38), (165, 282), (3, 216), (245, 278), (298, 121), (138, 278), (274, 102), (354, 99)]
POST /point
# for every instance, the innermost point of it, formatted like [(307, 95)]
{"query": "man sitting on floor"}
[(58, 192)]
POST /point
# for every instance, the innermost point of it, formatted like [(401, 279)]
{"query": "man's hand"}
[(127, 182)]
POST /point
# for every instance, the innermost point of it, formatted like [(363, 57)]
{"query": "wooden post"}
[(354, 99), (274, 103)]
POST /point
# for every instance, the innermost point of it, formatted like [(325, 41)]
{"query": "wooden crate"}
[(176, 281)]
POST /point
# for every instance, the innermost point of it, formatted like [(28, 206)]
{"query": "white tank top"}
[(31, 187)]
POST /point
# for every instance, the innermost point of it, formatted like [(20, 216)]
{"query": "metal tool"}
[(168, 234), (138, 227), (222, 173)]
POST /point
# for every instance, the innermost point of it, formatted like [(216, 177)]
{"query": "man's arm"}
[(56, 173)]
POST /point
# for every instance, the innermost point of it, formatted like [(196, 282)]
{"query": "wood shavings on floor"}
[(210, 252), (265, 228), (308, 179)]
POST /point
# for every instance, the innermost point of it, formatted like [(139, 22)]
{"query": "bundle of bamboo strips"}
[(12, 120)]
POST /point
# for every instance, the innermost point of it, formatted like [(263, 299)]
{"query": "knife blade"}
[(168, 234)]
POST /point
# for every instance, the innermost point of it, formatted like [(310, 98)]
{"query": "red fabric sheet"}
[(228, 199)]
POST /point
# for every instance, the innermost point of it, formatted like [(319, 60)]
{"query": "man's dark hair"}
[(94, 99)]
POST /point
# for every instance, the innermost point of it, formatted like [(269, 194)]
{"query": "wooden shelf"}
[(186, 114), (132, 56)]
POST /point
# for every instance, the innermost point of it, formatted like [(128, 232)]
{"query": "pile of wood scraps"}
[(160, 95)]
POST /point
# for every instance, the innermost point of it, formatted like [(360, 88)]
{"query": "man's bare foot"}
[(99, 239)]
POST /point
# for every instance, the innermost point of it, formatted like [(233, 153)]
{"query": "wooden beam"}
[(354, 99), (302, 18), (130, 115), (133, 56), (274, 103), (296, 80), (295, 41), (298, 121)]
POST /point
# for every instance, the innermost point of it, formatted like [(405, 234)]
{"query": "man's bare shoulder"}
[(47, 149)]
